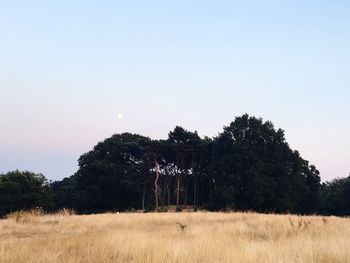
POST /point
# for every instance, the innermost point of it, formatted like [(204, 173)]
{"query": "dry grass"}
[(173, 237)]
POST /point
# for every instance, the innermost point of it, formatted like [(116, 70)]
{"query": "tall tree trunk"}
[(156, 184), (178, 190), (143, 197), (186, 192), (163, 190), (194, 185), (177, 182), (195, 193), (168, 191)]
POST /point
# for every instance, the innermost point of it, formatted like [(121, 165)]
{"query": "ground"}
[(174, 237)]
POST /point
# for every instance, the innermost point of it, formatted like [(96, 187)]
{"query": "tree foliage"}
[(248, 166), (335, 197), (23, 190)]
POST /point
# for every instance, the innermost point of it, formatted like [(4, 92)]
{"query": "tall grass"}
[(173, 237)]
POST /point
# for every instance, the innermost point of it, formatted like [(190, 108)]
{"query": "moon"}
[(120, 116)]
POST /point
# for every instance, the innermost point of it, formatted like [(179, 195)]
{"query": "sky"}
[(75, 72)]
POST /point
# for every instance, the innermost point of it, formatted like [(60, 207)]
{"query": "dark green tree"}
[(23, 191), (65, 193), (186, 147), (113, 176), (254, 169), (335, 197), (249, 166)]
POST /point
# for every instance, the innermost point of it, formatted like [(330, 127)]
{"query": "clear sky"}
[(68, 68)]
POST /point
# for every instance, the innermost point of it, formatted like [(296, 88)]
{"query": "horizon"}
[(73, 74)]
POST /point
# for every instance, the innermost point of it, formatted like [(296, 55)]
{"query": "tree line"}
[(248, 166)]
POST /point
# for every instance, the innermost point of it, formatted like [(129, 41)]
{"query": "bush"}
[(178, 209)]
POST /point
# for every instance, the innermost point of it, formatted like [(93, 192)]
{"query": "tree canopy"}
[(23, 190), (248, 166)]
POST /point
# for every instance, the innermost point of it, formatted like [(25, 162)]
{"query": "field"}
[(174, 237)]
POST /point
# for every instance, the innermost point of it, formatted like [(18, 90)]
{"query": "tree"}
[(185, 146), (251, 163), (23, 190), (65, 193), (335, 197), (248, 166), (114, 175)]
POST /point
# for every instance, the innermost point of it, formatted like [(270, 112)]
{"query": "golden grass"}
[(174, 237)]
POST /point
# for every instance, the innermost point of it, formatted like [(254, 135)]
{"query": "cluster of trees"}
[(23, 190), (335, 197), (249, 166)]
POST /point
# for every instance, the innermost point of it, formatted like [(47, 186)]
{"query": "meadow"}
[(173, 237)]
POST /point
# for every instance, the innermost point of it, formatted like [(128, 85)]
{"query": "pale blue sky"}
[(67, 69)]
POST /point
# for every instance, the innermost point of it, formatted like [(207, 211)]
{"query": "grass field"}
[(174, 237)]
